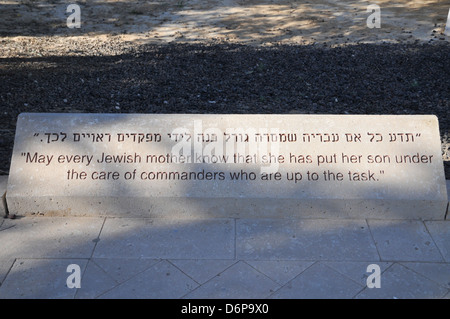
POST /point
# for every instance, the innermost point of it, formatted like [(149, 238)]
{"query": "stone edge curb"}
[(4, 207)]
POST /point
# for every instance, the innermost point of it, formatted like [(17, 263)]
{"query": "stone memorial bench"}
[(210, 165)]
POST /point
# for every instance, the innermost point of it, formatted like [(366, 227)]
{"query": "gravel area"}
[(221, 77)]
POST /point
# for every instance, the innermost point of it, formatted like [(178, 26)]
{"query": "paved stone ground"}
[(223, 258)]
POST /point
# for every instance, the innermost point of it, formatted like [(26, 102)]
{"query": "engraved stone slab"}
[(210, 165)]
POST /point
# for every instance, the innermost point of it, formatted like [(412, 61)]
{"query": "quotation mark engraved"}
[(52, 137), (36, 135)]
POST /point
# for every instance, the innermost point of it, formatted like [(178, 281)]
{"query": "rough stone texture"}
[(311, 285), (164, 238), (356, 271), (404, 240), (398, 282), (56, 237), (5, 266), (126, 258), (308, 239), (202, 270), (438, 272), (440, 231), (281, 271), (343, 151), (39, 278), (162, 280), (237, 282)]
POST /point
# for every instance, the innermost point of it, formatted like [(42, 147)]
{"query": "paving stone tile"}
[(307, 239), (398, 282), (318, 282), (281, 271), (49, 237), (104, 274), (357, 271), (121, 269), (161, 281), (238, 281), (95, 281), (403, 241), (202, 270), (166, 239), (438, 272), (40, 279), (440, 232), (5, 266)]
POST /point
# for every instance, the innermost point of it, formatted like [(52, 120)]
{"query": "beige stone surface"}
[(171, 165)]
